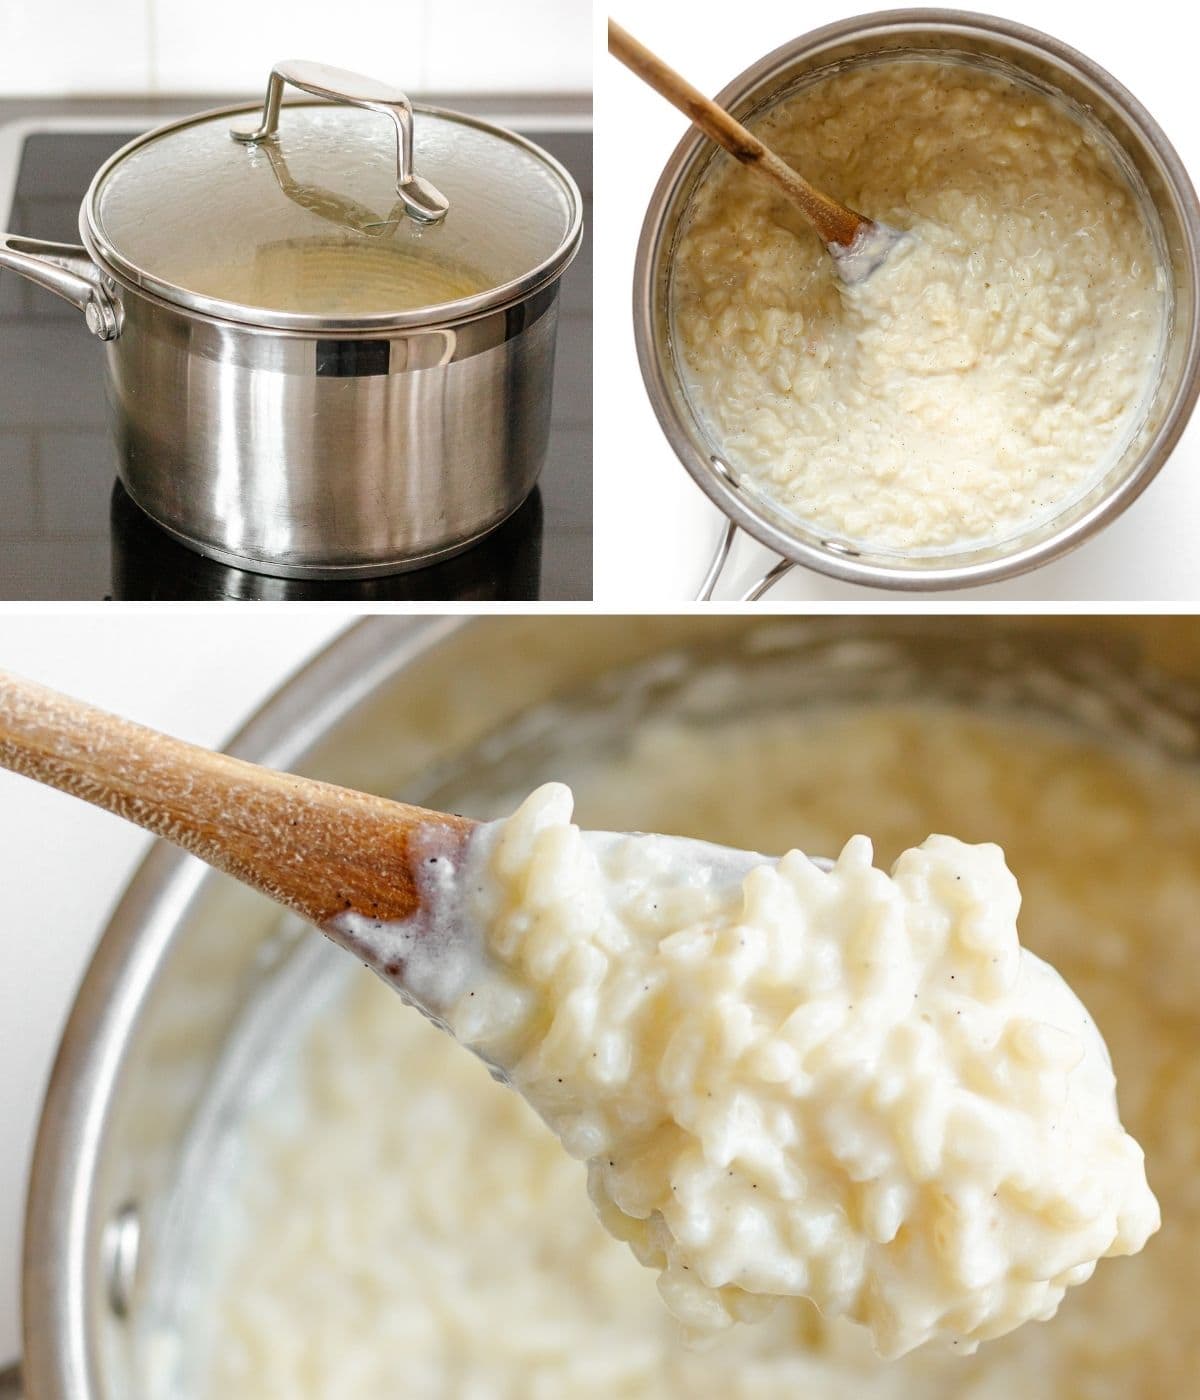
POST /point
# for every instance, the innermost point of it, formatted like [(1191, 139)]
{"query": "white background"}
[(63, 865), (84, 47), (655, 531)]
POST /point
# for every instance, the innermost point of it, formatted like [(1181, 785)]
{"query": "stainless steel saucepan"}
[(1169, 205), (329, 325)]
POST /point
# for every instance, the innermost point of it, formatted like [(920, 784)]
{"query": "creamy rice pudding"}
[(981, 380), (409, 1225), (796, 1082)]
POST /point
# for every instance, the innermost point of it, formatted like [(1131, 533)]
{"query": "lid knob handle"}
[(421, 201)]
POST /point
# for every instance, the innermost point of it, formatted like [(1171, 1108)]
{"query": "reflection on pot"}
[(148, 564)]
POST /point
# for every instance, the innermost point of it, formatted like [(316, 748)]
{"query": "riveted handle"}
[(68, 272), (420, 199)]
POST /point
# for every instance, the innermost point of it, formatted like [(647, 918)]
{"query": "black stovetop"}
[(69, 531)]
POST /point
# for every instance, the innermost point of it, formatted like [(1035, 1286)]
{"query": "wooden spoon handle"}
[(319, 849), (833, 221)]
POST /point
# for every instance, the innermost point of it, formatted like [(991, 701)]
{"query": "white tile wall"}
[(84, 47), (475, 44), (229, 45), (74, 47)]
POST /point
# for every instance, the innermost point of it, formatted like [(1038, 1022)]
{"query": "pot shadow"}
[(149, 564)]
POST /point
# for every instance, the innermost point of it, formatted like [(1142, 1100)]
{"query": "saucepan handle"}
[(420, 199), (760, 586), (68, 271)]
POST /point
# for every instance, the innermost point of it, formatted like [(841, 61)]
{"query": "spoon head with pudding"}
[(867, 251)]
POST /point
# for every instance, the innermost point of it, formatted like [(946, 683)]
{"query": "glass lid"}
[(316, 215)]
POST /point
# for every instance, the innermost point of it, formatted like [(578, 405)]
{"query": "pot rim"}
[(766, 522), (506, 294), (60, 1217)]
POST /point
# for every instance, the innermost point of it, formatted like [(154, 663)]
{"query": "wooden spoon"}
[(377, 877), (321, 850), (858, 245)]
